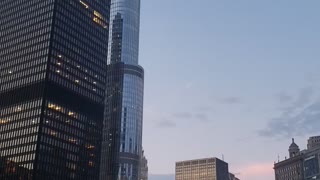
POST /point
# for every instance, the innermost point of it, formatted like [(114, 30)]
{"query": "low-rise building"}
[(202, 169), (301, 165)]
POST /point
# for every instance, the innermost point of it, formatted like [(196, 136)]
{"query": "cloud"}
[(230, 100), (283, 97), (202, 116), (166, 124), (183, 115), (255, 171), (299, 118), (304, 97)]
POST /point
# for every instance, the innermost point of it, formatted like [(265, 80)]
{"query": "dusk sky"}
[(232, 77)]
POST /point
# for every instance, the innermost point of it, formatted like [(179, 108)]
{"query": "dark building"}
[(233, 177), (52, 88), (122, 132), (206, 169)]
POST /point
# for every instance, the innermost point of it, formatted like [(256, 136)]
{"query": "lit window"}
[(94, 83), (59, 63), (84, 4), (97, 14), (51, 105), (73, 140), (71, 113), (90, 163), (3, 121), (53, 133), (58, 71), (90, 147), (77, 81), (10, 72), (60, 56)]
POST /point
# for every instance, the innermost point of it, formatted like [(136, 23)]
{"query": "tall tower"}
[(52, 88), (122, 131)]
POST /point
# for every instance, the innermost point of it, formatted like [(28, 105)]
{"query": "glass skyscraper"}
[(122, 136), (52, 88)]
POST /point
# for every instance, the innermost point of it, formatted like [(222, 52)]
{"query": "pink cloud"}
[(259, 171)]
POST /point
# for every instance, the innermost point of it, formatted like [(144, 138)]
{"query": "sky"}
[(232, 78)]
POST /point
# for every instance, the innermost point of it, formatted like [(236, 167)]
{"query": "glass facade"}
[(52, 88), (122, 135)]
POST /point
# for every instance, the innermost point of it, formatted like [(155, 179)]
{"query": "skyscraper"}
[(122, 133), (52, 88)]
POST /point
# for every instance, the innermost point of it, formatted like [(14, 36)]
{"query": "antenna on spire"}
[(292, 140)]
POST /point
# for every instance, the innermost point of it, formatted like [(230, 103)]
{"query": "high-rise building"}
[(202, 169), (52, 88), (122, 130), (143, 167)]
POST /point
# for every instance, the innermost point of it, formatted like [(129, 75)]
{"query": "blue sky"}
[(231, 77)]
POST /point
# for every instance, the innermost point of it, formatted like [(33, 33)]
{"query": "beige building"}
[(202, 169), (291, 168), (301, 165)]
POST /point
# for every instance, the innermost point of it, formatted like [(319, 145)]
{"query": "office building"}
[(122, 131), (143, 167), (292, 167), (202, 169), (52, 88), (313, 142), (301, 165)]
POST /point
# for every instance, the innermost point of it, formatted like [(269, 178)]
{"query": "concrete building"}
[(301, 165), (143, 167), (313, 142), (202, 169)]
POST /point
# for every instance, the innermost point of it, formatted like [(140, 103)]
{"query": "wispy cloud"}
[(230, 100), (201, 116), (183, 115), (166, 124), (283, 97), (299, 118)]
